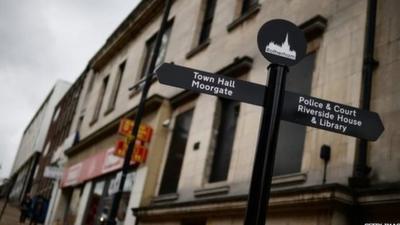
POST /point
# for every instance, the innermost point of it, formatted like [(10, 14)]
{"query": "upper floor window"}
[(56, 114), (117, 84), (299, 81), (150, 45), (247, 5), (176, 153), (100, 99), (207, 20), (226, 116), (91, 81)]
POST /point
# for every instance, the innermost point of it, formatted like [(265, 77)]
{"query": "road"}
[(10, 216)]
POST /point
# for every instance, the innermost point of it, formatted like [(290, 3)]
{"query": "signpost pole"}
[(266, 147)]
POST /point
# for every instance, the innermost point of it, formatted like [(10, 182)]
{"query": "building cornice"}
[(299, 198), (296, 199), (145, 12)]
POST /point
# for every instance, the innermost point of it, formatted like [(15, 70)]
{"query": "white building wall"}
[(33, 139)]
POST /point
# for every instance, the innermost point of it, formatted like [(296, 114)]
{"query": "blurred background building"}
[(32, 143)]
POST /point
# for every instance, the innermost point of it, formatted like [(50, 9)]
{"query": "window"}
[(247, 5), (92, 78), (150, 44), (95, 204), (207, 21), (115, 90), (227, 115), (291, 136), (56, 114), (172, 170), (73, 205), (100, 99), (46, 149)]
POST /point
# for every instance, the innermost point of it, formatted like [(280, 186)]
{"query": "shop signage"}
[(139, 153), (125, 129), (120, 148), (97, 165), (140, 149), (72, 175), (53, 172)]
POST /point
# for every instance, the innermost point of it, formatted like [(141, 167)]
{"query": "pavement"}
[(11, 215)]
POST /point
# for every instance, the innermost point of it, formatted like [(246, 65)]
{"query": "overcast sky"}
[(42, 41)]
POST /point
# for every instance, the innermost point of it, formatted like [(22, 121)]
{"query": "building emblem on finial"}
[(282, 50)]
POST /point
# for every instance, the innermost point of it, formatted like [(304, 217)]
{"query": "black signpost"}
[(212, 84), (283, 44)]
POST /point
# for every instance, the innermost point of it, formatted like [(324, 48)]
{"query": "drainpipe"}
[(361, 170)]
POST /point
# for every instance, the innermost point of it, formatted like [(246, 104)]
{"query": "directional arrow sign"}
[(331, 116), (301, 109), (212, 84)]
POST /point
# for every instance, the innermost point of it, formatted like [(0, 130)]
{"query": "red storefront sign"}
[(94, 166), (139, 153), (125, 129)]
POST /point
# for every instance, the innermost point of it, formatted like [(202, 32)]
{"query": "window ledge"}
[(198, 49), (211, 191), (289, 179), (314, 27), (93, 121), (250, 13), (166, 198), (109, 110)]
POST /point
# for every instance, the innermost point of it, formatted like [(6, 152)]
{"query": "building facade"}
[(32, 143), (202, 150), (62, 134)]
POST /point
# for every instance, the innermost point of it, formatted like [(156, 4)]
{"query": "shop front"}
[(89, 187)]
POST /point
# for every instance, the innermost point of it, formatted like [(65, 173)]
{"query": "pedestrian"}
[(25, 207), (38, 210)]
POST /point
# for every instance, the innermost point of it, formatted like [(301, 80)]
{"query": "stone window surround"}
[(186, 106)]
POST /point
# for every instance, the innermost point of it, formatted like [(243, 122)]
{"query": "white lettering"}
[(349, 112), (311, 102)]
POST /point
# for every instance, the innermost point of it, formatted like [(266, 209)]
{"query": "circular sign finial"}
[(281, 42)]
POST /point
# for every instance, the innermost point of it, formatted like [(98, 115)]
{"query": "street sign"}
[(331, 116), (212, 84), (281, 42), (53, 172), (139, 153), (297, 108), (125, 129)]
